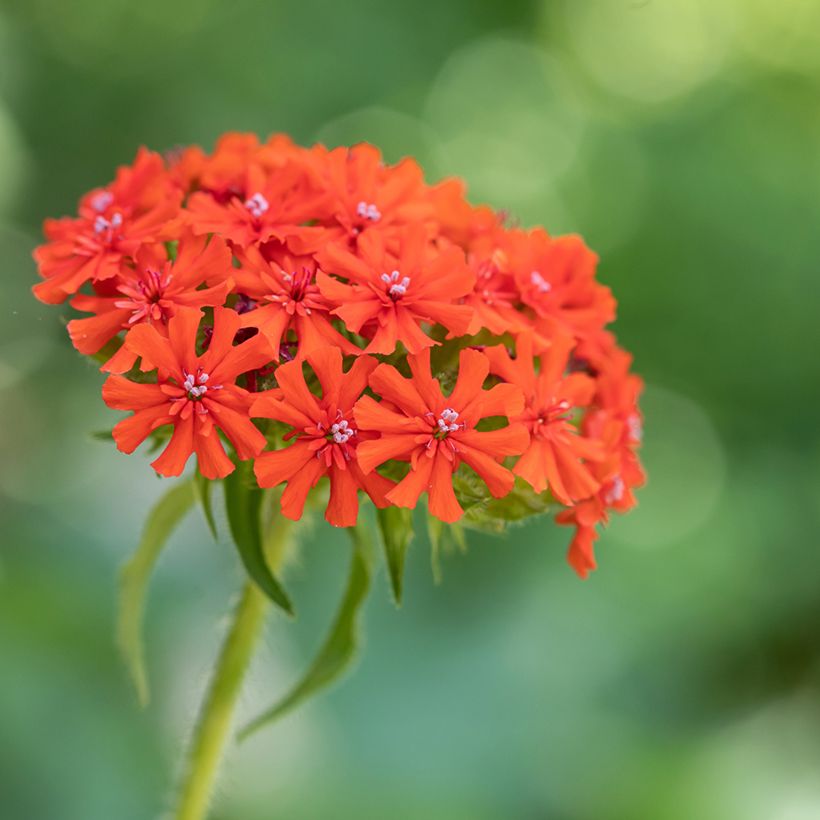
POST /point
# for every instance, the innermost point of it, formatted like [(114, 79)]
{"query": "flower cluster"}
[(330, 315)]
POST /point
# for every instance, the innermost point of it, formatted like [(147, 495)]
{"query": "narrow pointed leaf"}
[(203, 488), (243, 505), (396, 529), (340, 645), (134, 577), (443, 538)]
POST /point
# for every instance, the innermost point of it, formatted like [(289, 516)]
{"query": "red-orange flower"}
[(286, 302), (138, 207), (197, 394), (152, 292), (616, 421), (416, 422), (496, 300), (556, 454), (556, 278), (388, 298), (365, 196), (270, 206), (307, 255), (327, 439)]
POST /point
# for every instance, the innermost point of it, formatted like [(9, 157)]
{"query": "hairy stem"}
[(208, 744), (216, 715)]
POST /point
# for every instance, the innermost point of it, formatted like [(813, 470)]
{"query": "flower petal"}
[(173, 458), (275, 466), (406, 493), (443, 503), (120, 393)]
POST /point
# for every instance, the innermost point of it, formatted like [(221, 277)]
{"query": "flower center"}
[(105, 227), (299, 283), (257, 205), (615, 492), (101, 201), (196, 385), (340, 431), (396, 284), (145, 298), (367, 210), (540, 284), (555, 411), (447, 422)]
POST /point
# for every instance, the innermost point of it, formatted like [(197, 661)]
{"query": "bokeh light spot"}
[(508, 119), (649, 52), (686, 464)]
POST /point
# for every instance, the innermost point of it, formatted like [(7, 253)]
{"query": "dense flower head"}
[(345, 324)]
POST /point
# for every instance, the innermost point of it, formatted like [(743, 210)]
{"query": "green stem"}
[(215, 720)]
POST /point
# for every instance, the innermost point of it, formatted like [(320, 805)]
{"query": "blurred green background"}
[(682, 138)]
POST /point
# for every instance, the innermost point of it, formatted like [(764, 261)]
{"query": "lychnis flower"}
[(152, 291), (195, 393), (326, 438), (417, 423), (556, 453), (388, 298)]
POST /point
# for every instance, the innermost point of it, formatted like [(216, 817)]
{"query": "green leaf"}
[(483, 512), (161, 522), (443, 538), (396, 529), (203, 487), (340, 645), (243, 504)]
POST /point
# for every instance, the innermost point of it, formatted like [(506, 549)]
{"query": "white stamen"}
[(196, 385), (341, 431), (395, 287), (635, 428), (448, 421), (102, 200), (257, 205), (616, 492), (540, 283), (101, 224), (368, 211)]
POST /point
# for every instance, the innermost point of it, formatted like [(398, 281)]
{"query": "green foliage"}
[(396, 530), (341, 644), (443, 538), (161, 522), (203, 487), (483, 512), (243, 505)]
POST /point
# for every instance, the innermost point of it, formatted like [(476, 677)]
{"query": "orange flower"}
[(387, 298), (458, 220), (326, 437), (286, 301), (416, 422), (138, 207), (556, 454), (365, 196), (270, 206), (556, 278), (616, 421), (197, 394), (495, 298), (307, 255), (152, 292)]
